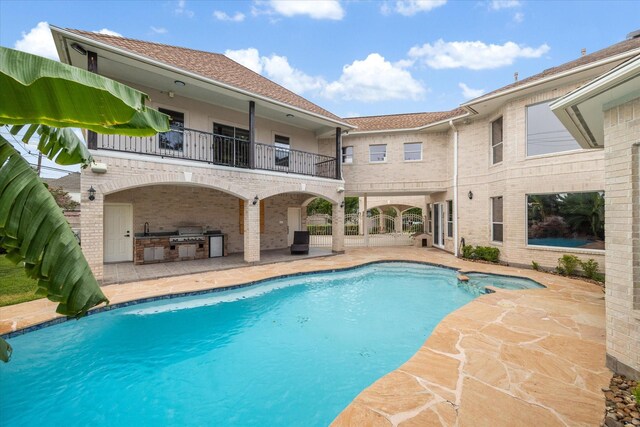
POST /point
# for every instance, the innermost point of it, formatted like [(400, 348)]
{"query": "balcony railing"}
[(190, 144)]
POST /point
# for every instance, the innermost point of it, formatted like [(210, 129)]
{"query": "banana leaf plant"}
[(45, 99)]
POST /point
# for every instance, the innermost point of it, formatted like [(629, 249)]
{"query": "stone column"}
[(398, 220), (92, 224), (251, 231), (337, 226)]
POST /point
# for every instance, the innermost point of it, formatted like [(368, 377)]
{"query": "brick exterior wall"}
[(622, 186)]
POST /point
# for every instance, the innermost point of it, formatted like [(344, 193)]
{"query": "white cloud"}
[(181, 9), (222, 16), (411, 7), (108, 32), (250, 58), (475, 55), (374, 79), (518, 17), (159, 30), (504, 4), (469, 93), (38, 41), (318, 9)]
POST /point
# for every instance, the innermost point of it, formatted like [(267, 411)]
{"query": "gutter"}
[(195, 76), (455, 187)]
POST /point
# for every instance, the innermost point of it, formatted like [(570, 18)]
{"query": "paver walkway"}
[(511, 358)]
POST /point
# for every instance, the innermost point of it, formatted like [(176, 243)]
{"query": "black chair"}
[(300, 242)]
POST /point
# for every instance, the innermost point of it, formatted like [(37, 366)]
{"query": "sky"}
[(352, 57)]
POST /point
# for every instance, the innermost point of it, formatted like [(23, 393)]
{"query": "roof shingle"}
[(214, 66), (402, 121)]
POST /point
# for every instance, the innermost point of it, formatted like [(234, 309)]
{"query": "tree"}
[(63, 199), (46, 98), (584, 212)]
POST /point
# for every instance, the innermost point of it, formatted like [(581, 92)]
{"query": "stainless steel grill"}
[(191, 234)]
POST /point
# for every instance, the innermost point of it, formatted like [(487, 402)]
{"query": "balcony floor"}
[(124, 272)]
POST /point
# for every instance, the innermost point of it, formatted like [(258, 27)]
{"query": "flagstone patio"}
[(509, 358)]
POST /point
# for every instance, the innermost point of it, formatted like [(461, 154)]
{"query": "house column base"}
[(251, 232), (337, 227), (622, 369)]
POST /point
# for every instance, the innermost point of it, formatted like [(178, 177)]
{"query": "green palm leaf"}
[(34, 231)]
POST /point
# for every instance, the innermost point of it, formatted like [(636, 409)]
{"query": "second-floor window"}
[(174, 139), (413, 151), (347, 154), (449, 218), (378, 153), (545, 133), (230, 145), (283, 146), (496, 141)]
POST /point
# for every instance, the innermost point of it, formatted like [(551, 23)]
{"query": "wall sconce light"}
[(92, 193), (342, 204), (340, 190), (470, 195), (79, 49), (255, 200)]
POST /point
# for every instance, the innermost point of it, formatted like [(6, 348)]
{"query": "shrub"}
[(535, 266), (567, 265), (590, 268), (636, 394), (486, 253), (467, 251)]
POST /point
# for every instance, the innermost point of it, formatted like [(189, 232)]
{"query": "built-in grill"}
[(191, 234)]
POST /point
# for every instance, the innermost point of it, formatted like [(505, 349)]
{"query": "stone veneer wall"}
[(622, 186)]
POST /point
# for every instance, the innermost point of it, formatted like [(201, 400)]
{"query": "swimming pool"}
[(290, 351), (559, 241)]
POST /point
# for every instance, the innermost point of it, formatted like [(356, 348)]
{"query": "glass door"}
[(438, 229)]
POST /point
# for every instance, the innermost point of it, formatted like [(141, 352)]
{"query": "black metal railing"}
[(191, 144)]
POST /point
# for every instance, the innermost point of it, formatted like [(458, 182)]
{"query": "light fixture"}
[(255, 200), (470, 194), (290, 115), (340, 189), (342, 204), (92, 193), (78, 48), (180, 83)]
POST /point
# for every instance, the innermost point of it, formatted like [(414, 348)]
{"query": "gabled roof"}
[(624, 47), (214, 66), (69, 183), (411, 121)]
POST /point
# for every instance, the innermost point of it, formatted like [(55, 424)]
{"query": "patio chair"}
[(300, 243)]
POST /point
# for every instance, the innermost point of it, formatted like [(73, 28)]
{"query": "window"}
[(496, 141), (449, 218), (545, 133), (347, 154), (568, 220), (413, 151), (496, 219), (174, 139), (282, 150), (230, 145), (429, 219), (378, 153)]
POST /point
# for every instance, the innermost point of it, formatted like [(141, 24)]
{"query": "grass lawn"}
[(15, 286)]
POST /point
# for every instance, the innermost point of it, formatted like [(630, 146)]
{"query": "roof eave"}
[(414, 129), (183, 72)]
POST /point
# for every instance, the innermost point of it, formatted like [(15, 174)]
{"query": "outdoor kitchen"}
[(185, 243)]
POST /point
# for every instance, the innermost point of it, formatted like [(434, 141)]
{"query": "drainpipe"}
[(455, 187)]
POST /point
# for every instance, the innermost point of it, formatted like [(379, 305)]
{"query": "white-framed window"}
[(429, 219), (496, 141), (497, 224), (283, 145), (412, 151), (174, 139), (449, 218), (378, 153), (347, 154), (545, 133), (230, 145)]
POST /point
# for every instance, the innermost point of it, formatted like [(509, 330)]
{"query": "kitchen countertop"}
[(157, 234)]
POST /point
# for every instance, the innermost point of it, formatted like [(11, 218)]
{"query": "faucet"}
[(146, 228)]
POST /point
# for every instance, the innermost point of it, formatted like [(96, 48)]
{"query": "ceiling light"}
[(78, 48), (179, 83), (290, 115)]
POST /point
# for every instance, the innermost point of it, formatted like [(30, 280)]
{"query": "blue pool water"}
[(482, 280), (559, 241), (292, 351)]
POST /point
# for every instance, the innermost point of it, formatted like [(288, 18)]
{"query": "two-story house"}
[(243, 156)]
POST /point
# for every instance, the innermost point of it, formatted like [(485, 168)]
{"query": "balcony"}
[(195, 145)]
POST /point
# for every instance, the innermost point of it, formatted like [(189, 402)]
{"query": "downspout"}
[(455, 187)]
